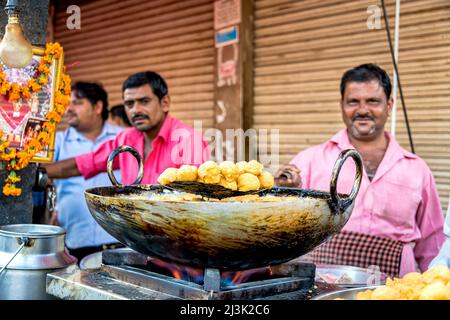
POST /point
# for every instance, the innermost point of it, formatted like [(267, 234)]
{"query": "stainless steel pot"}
[(27, 253)]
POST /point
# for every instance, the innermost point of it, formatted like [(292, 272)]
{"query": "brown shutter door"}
[(302, 49), (119, 38)]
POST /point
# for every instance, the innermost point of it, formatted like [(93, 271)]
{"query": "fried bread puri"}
[(168, 176), (209, 172), (266, 180), (242, 176), (187, 173), (248, 182), (433, 284), (229, 171)]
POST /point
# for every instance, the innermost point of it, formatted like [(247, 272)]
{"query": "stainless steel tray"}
[(347, 294), (349, 276)]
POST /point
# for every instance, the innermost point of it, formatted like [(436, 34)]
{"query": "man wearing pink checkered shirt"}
[(397, 220)]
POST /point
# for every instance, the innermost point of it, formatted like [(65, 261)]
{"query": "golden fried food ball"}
[(169, 175), (437, 273), (248, 182), (412, 277), (365, 295), (385, 293), (415, 292), (433, 284), (187, 173), (435, 291), (229, 170), (228, 184), (241, 166), (254, 167), (266, 180), (209, 172)]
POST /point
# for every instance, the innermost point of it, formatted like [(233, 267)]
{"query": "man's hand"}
[(288, 176), (62, 169)]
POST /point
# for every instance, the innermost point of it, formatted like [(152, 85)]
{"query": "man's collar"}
[(108, 129), (166, 128), (343, 142), (73, 134), (395, 146)]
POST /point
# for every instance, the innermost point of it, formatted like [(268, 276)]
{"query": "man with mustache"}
[(88, 129), (161, 140), (397, 220)]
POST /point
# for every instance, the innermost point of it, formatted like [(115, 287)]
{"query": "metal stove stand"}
[(123, 275)]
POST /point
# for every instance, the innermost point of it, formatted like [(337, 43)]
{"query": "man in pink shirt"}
[(397, 220), (161, 140)]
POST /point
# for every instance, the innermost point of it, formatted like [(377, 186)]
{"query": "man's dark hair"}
[(366, 73), (94, 92), (119, 111), (154, 80)]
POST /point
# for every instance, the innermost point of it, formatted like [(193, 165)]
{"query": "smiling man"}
[(397, 219), (161, 140)]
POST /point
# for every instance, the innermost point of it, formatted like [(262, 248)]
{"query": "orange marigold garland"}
[(17, 160)]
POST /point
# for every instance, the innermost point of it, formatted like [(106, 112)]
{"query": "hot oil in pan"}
[(180, 197)]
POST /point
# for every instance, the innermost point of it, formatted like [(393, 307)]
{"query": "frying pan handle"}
[(113, 154), (344, 203)]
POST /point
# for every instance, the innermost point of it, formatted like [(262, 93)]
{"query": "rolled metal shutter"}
[(119, 38), (302, 49)]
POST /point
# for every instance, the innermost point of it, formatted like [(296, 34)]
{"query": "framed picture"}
[(24, 118)]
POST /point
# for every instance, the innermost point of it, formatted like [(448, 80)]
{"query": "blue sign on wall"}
[(227, 36)]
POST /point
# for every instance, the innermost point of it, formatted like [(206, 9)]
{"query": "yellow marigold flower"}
[(35, 87), (9, 154), (53, 49), (11, 190), (50, 127), (13, 96), (43, 68), (22, 164), (4, 145), (12, 177), (33, 145), (43, 138), (57, 54), (46, 60), (60, 109), (58, 97), (65, 100), (52, 115), (23, 158), (5, 88), (43, 80), (26, 93), (61, 98), (48, 48)]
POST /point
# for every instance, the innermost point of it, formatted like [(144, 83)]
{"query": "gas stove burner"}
[(127, 274)]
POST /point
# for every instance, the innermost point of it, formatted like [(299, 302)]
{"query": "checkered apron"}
[(360, 250)]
